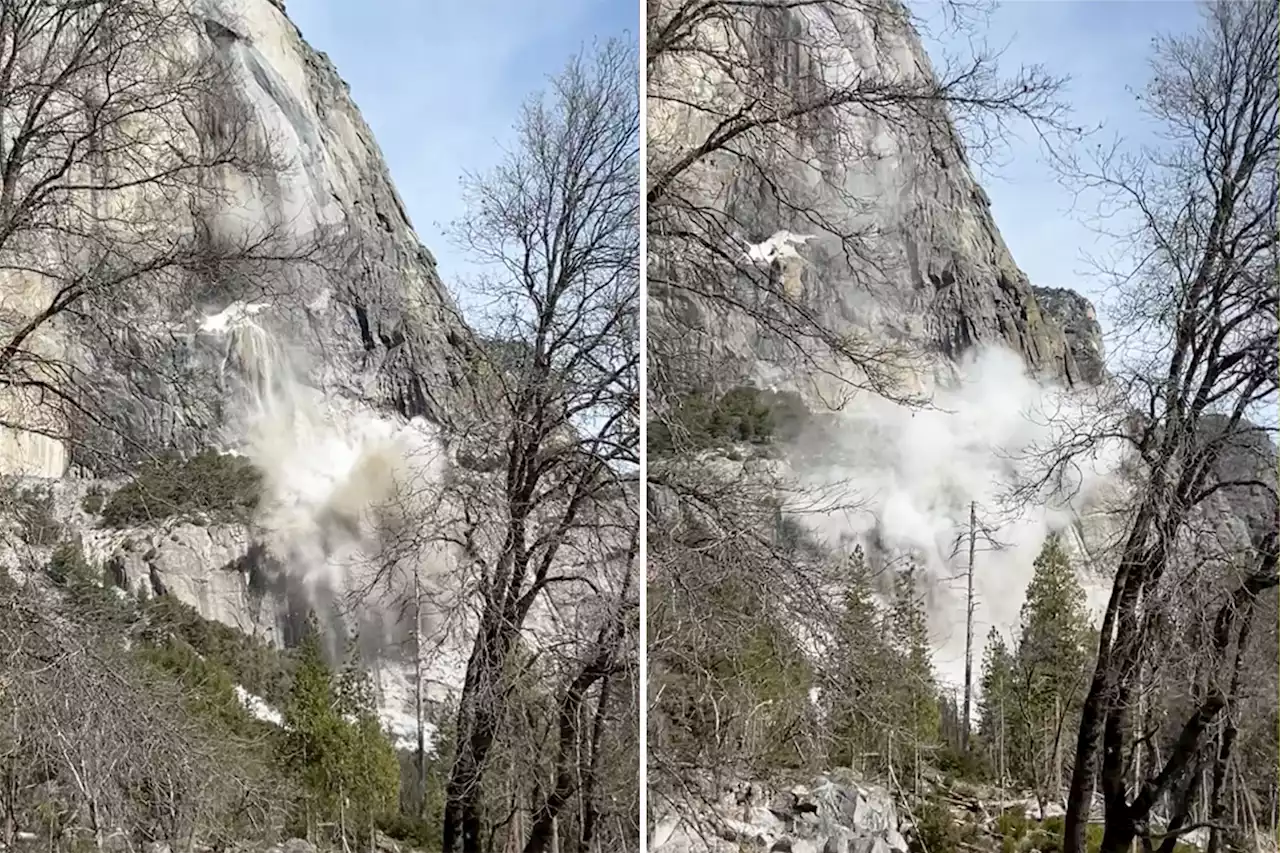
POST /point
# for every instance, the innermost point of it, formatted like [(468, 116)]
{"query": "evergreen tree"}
[(860, 676), (335, 745), (315, 742), (995, 700), (370, 769), (915, 697), (1052, 663)]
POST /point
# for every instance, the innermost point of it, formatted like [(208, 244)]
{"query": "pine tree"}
[(1052, 663), (915, 694), (859, 674), (335, 745), (370, 770), (315, 742), (995, 700)]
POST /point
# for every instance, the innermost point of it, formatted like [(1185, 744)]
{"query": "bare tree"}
[(577, 754), (91, 733), (731, 576), (1197, 302), (557, 224)]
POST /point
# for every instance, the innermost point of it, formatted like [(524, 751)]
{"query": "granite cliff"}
[(366, 318), (868, 218), (333, 358)]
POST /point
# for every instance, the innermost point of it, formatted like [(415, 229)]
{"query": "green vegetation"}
[(745, 690), (254, 664), (331, 774), (1032, 693), (334, 744), (742, 415), (887, 715), (210, 484), (67, 564), (94, 500), (938, 831), (33, 510)]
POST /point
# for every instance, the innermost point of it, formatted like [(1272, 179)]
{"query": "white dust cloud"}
[(905, 479), (337, 476)]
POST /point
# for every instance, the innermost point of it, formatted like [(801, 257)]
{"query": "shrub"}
[(209, 689), (742, 415), (34, 511), (1013, 826), (67, 564), (209, 483), (94, 500), (937, 830), (421, 833), (1047, 838)]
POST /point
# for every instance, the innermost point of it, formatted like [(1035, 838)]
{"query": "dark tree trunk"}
[(479, 713), (600, 665), (1118, 835), (591, 809), (1216, 808)]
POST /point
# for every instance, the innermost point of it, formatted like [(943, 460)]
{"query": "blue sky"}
[(1104, 47), (440, 83)]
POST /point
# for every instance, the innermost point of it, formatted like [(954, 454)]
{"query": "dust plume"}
[(906, 479)]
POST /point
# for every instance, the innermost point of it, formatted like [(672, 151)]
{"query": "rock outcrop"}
[(1076, 317), (835, 814)]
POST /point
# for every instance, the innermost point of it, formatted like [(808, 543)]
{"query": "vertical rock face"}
[(930, 267), (366, 317), (1079, 323)]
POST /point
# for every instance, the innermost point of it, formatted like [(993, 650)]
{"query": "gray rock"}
[(1076, 317), (835, 814), (294, 845), (930, 270), (867, 843), (370, 321)]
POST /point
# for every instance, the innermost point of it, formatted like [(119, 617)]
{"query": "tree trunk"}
[(968, 629), (1119, 834), (1228, 737), (1101, 718), (1182, 814), (591, 809), (544, 834), (1055, 781), (420, 754), (479, 712), (10, 806), (1080, 793)]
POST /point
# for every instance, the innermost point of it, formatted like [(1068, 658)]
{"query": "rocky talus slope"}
[(834, 814)]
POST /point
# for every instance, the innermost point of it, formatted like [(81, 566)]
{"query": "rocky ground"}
[(834, 814), (837, 812)]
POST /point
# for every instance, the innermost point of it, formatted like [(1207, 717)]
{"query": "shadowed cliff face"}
[(872, 221), (365, 313)]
